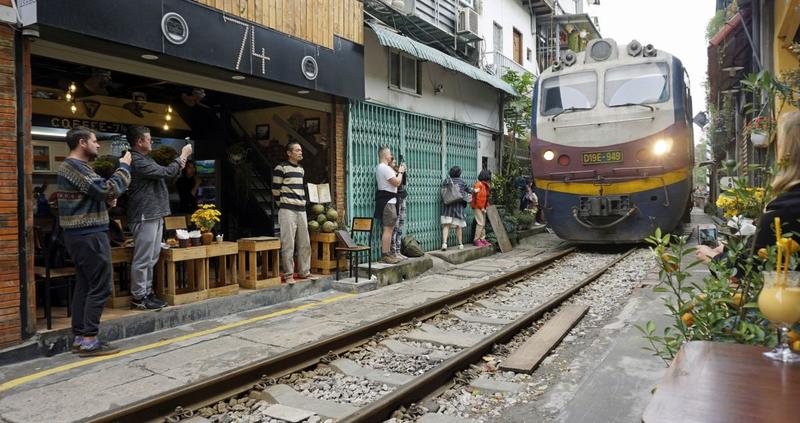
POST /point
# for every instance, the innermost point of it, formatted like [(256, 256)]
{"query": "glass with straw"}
[(779, 300)]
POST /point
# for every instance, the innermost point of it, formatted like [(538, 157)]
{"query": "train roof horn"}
[(570, 58), (634, 48)]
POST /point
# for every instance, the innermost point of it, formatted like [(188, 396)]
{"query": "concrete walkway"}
[(611, 379), (68, 388)]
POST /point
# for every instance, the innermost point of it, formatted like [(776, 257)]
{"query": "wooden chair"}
[(360, 224), (48, 274)]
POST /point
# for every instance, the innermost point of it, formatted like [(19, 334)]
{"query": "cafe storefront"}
[(235, 84)]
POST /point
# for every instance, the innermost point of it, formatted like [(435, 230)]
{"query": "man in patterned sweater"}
[(289, 193), (83, 201)]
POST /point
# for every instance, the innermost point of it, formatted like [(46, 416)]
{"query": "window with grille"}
[(404, 73)]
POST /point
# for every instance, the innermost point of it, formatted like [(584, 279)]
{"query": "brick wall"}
[(340, 163), (10, 323)]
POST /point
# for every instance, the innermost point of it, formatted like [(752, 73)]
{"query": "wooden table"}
[(225, 283), (719, 382), (121, 288), (197, 280), (268, 249)]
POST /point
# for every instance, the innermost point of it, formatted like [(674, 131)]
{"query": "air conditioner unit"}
[(468, 22), (467, 3)]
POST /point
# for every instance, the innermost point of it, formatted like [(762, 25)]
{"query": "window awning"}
[(389, 38)]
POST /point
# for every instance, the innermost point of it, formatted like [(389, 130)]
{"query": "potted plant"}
[(760, 130), (205, 217)]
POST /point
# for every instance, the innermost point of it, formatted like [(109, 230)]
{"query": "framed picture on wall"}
[(262, 132), (312, 126)]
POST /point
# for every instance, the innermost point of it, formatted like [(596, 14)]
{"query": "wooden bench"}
[(224, 253), (250, 250)]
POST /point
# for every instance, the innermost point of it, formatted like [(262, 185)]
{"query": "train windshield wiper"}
[(568, 109), (652, 109)]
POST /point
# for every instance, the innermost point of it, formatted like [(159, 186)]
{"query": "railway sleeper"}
[(434, 335)]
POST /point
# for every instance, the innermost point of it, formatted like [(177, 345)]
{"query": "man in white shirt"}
[(386, 200)]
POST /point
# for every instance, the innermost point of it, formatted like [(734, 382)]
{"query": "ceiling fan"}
[(195, 98), (137, 105), (100, 82)]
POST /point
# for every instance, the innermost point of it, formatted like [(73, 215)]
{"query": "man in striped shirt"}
[(289, 194)]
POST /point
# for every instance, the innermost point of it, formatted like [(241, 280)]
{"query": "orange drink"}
[(779, 302)]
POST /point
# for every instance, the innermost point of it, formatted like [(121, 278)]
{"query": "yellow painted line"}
[(615, 188), (25, 379)]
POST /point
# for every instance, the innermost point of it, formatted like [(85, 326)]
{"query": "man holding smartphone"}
[(148, 204)]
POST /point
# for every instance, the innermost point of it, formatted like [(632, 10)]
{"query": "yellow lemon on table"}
[(796, 345), (793, 336)]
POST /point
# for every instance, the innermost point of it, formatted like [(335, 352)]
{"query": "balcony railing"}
[(503, 64)]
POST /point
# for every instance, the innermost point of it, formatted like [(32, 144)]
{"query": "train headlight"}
[(549, 155), (662, 146)]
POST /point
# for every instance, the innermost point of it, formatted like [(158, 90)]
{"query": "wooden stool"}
[(121, 288), (224, 284), (249, 250), (323, 253), (197, 283)]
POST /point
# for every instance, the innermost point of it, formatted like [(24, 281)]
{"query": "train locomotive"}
[(612, 148)]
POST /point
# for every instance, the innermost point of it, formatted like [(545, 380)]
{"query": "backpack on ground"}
[(409, 247)]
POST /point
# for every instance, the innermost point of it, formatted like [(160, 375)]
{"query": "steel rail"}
[(429, 382), (241, 379)]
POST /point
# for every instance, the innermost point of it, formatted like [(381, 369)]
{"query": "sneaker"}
[(157, 300), (96, 348), (460, 246), (76, 344), (444, 247), (387, 259), (400, 257), (147, 303), (309, 276)]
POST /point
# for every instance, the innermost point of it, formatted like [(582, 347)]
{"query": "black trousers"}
[(92, 256)]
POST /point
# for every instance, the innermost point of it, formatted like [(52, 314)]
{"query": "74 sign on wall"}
[(249, 32)]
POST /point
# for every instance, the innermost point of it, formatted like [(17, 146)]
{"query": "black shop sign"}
[(187, 30), (69, 123)]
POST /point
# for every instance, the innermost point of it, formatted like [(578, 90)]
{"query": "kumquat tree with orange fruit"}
[(723, 307)]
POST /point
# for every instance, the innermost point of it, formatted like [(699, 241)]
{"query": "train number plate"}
[(600, 157)]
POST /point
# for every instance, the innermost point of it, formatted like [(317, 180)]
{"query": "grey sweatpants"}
[(147, 236), (294, 239)]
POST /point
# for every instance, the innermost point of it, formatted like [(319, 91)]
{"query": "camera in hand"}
[(707, 235)]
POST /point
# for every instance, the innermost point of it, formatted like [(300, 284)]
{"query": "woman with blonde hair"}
[(785, 186)]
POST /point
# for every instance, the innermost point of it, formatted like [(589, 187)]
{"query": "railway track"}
[(398, 360)]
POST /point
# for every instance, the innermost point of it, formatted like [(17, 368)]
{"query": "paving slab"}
[(293, 331), (443, 418), (476, 318), (469, 253), (351, 368), (286, 413), (402, 348), (439, 283), (285, 395), (207, 359), (350, 286), (428, 333), (484, 384)]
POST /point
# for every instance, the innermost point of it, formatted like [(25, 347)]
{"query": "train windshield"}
[(637, 84), (576, 91)]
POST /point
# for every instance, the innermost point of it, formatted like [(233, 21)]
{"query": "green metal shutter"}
[(429, 145)]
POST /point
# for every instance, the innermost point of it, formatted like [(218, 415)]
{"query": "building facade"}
[(238, 81)]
